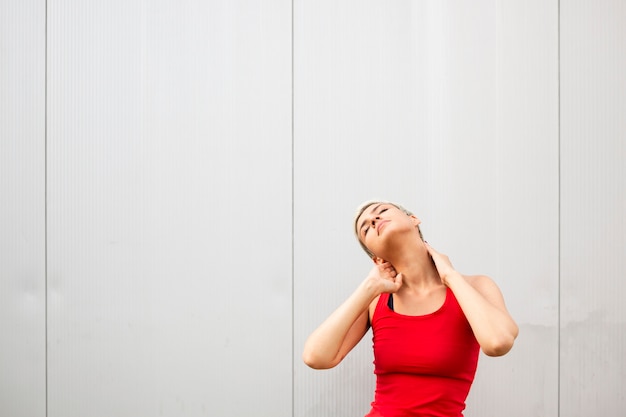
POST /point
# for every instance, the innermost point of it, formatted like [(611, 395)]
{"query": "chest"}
[(440, 344)]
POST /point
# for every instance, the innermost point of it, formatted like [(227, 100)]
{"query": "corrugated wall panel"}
[(360, 111), (22, 209), (170, 208), (593, 190), (519, 245), (161, 119), (451, 109)]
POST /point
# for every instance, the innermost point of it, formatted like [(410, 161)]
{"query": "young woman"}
[(428, 320)]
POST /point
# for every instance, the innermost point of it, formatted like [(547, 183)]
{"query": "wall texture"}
[(593, 203), (22, 209), (178, 179), (451, 109)]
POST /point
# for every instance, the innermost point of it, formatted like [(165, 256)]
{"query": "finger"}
[(431, 250), (388, 267), (398, 281)]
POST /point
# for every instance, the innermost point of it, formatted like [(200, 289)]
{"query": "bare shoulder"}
[(487, 287), (479, 281)]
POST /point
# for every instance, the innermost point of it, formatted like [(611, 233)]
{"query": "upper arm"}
[(489, 290)]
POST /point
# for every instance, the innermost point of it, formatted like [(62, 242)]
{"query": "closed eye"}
[(367, 228)]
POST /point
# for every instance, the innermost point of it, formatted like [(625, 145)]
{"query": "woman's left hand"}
[(482, 304), (442, 263)]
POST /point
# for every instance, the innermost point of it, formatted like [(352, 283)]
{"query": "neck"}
[(416, 266)]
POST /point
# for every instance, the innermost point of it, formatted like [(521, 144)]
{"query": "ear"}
[(415, 220)]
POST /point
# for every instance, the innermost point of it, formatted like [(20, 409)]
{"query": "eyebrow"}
[(371, 211)]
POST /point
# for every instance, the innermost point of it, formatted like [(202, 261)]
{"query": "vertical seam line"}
[(293, 337), (46, 205), (559, 207)]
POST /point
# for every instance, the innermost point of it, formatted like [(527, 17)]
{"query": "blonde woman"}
[(428, 320)]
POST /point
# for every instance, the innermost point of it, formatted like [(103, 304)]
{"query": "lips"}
[(380, 225)]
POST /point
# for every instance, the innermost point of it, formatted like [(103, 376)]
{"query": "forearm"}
[(493, 327), (326, 346)]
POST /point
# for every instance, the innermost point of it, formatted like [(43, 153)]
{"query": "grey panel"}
[(522, 236), (593, 190), (22, 209), (451, 109), (170, 208)]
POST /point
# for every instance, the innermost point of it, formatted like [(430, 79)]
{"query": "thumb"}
[(398, 281), (429, 248)]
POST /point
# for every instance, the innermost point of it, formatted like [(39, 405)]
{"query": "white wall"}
[(175, 222), (22, 209), (593, 203), (169, 206), (452, 110)]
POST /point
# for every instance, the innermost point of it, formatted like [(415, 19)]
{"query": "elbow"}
[(313, 364), (501, 345), (497, 349), (315, 360)]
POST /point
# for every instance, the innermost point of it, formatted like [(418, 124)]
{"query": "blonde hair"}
[(360, 211)]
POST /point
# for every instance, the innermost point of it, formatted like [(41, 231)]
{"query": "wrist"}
[(451, 278), (371, 286)]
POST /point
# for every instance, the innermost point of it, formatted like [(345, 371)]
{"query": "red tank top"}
[(424, 365)]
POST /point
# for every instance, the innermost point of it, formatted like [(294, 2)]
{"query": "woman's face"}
[(380, 222)]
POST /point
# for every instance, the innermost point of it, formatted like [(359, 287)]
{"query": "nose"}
[(374, 220)]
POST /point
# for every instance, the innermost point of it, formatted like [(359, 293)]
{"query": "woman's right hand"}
[(342, 330), (385, 278)]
